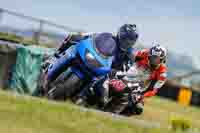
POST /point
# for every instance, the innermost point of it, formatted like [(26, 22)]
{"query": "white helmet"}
[(157, 55)]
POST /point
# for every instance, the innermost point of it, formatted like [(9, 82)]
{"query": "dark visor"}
[(126, 43), (154, 60)]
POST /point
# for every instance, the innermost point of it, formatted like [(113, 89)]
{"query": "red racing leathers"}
[(154, 78)]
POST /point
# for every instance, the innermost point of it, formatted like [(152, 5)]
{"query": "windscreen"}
[(104, 44)]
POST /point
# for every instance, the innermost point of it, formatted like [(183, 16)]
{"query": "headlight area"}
[(91, 60)]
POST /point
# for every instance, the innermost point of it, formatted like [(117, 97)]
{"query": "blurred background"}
[(172, 23)]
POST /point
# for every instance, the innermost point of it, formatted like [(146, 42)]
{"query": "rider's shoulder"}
[(143, 52), (76, 36)]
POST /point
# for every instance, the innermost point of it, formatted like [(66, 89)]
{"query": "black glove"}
[(56, 54), (112, 73), (136, 98)]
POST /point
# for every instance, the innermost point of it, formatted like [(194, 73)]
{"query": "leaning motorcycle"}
[(81, 66)]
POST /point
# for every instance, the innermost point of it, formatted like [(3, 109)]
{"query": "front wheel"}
[(65, 89)]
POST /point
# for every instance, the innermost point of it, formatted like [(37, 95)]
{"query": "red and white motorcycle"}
[(124, 93)]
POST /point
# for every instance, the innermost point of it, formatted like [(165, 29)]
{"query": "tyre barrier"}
[(182, 94)]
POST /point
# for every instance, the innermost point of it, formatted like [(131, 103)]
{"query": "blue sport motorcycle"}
[(77, 67)]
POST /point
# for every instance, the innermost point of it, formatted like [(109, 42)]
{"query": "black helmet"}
[(127, 36), (157, 55)]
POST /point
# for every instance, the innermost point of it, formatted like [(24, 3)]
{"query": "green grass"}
[(161, 110), (20, 114)]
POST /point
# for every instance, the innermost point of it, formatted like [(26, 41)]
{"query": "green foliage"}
[(10, 37), (18, 39), (180, 123)]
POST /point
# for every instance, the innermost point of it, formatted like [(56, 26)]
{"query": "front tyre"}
[(139, 108), (65, 89)]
